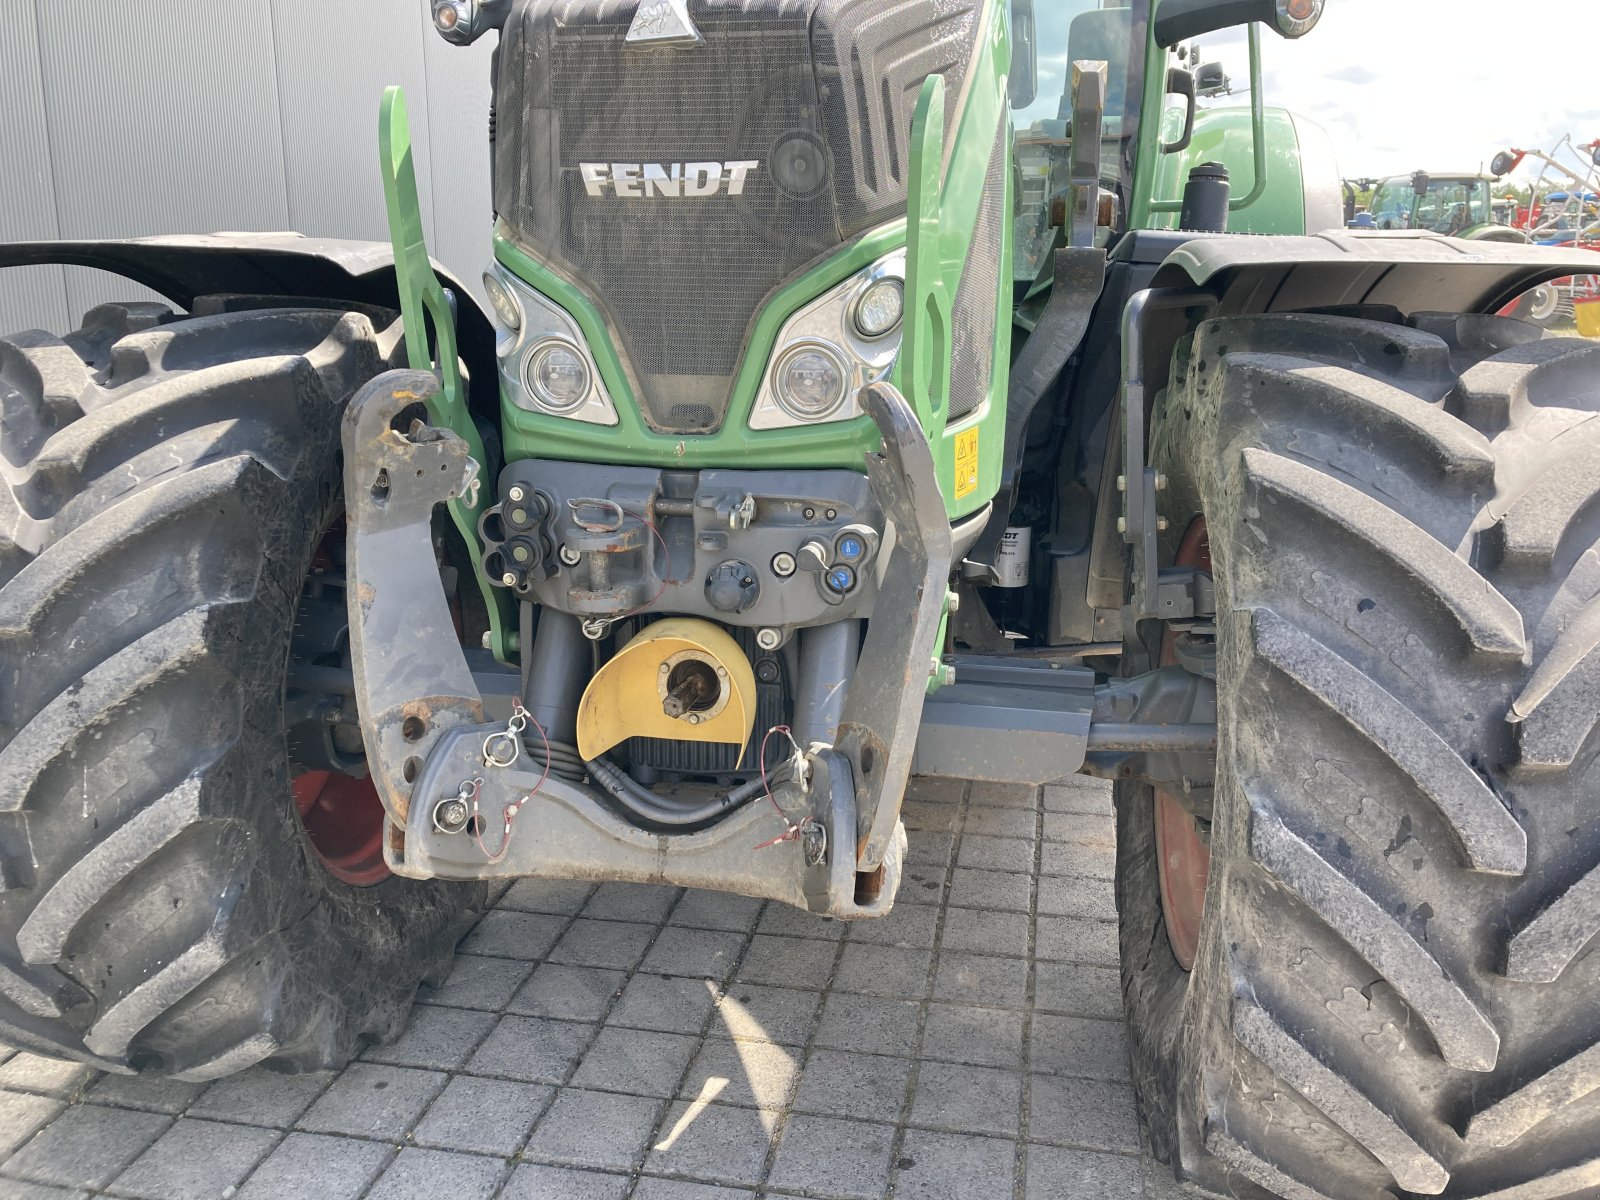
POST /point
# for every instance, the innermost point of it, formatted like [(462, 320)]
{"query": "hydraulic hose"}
[(646, 805)]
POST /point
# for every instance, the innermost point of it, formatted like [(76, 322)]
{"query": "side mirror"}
[(1212, 80), (1024, 84), (1420, 182), (1595, 155), (1179, 20)]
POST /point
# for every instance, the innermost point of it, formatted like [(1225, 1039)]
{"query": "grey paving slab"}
[(440, 1038), (1081, 1046), (34, 1073), (21, 1114), (196, 1160), (834, 1157), (568, 993), (417, 1174), (847, 1084), (17, 1189), (616, 944), (694, 953), (644, 1062), (87, 1146), (629, 1042), (478, 982), (562, 896), (652, 1188), (373, 1101), (952, 1166), (966, 1099), (961, 1033), (1083, 1113), (505, 933), (716, 910), (260, 1097), (486, 1116), (151, 1094), (315, 1165), (714, 1143), (755, 1012), (755, 1074), (1054, 1174), (594, 1129), (537, 1181), (531, 1050), (870, 1024), (672, 1005), (787, 961), (981, 979)]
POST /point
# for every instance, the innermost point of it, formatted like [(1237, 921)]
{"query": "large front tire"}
[(166, 482), (1393, 991)]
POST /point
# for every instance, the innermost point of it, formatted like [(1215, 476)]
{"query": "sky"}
[(1439, 85)]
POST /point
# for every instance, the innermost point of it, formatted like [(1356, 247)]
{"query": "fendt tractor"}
[(867, 389)]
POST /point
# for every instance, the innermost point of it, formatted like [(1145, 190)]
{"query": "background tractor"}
[(817, 433)]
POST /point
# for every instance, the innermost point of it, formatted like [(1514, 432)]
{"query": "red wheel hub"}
[(1183, 858), (341, 814), (343, 817)]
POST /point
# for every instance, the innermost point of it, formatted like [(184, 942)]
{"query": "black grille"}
[(819, 92), (976, 305)]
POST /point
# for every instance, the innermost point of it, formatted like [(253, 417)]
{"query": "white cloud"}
[(1441, 85)]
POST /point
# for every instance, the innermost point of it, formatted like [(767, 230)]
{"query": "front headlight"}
[(810, 381), (833, 347), (557, 376), (545, 364)]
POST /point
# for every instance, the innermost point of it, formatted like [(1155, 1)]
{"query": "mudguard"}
[(1413, 271), (181, 267)]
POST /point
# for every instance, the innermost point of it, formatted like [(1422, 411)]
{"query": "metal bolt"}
[(517, 494), (783, 564), (1122, 524), (509, 579), (955, 602), (450, 815), (519, 516), (1161, 524), (665, 669), (487, 641), (693, 718), (521, 553), (813, 841), (568, 555), (1122, 483), (808, 512), (831, 513), (1161, 482), (769, 638)]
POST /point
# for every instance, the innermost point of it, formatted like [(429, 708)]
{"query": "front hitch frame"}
[(428, 743)]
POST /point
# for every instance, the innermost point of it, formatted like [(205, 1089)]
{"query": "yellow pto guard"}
[(681, 678)]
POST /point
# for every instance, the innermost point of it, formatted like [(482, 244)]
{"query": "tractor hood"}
[(678, 160)]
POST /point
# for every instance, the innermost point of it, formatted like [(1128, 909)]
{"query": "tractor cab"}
[(1451, 204)]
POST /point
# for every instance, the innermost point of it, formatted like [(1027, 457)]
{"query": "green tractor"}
[(822, 432)]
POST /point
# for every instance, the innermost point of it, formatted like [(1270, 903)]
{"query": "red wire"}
[(792, 829), (515, 806)]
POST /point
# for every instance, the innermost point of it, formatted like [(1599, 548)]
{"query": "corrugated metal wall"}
[(134, 117)]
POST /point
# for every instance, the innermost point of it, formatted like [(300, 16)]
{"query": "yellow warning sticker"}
[(966, 462)]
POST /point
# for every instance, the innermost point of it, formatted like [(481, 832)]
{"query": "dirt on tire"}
[(165, 481), (1395, 985)]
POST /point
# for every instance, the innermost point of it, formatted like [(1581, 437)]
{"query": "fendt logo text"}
[(670, 181)]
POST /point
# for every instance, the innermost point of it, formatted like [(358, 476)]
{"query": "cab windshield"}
[(1068, 31), (1443, 205)]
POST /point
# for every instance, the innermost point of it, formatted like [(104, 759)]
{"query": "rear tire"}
[(165, 484), (1395, 984)]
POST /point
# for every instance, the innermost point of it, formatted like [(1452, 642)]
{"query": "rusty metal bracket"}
[(411, 678), (878, 730)]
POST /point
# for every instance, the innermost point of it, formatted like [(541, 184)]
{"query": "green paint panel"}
[(949, 212), (1225, 135)]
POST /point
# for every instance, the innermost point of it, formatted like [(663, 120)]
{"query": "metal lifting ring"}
[(496, 756)]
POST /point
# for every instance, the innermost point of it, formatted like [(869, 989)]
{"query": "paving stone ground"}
[(622, 1041)]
